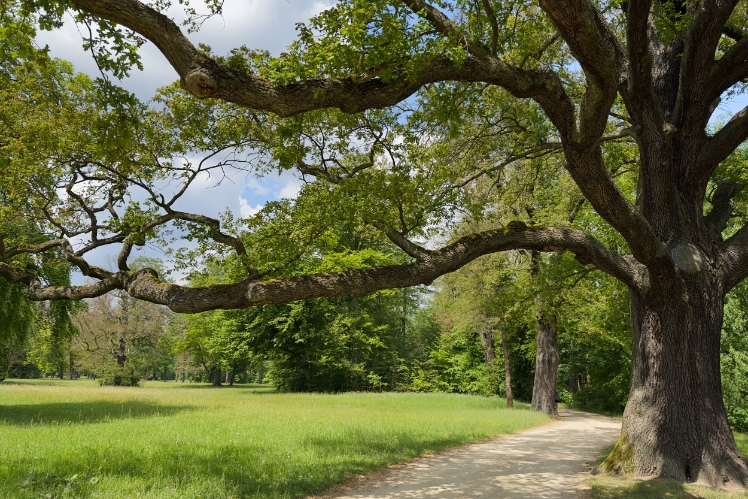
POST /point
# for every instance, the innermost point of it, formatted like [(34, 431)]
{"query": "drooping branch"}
[(145, 285)]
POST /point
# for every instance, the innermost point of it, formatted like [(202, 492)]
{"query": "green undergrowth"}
[(63, 439), (612, 487)]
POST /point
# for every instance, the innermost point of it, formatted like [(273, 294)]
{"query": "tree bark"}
[(507, 368), (216, 376), (675, 422), (485, 333), (546, 367)]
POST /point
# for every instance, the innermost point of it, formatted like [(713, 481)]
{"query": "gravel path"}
[(547, 462)]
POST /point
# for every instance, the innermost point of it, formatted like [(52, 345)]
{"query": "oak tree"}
[(583, 73)]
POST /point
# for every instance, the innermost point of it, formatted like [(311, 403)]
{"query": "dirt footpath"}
[(547, 462)]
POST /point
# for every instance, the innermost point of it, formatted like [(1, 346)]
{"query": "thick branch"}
[(220, 237), (730, 69), (35, 248), (585, 31), (601, 56), (13, 275), (203, 77), (594, 180), (722, 144), (494, 25), (722, 207), (640, 96), (444, 25), (733, 259), (146, 286), (408, 246), (701, 41)]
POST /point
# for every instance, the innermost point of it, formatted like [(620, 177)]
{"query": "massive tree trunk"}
[(675, 422), (546, 367)]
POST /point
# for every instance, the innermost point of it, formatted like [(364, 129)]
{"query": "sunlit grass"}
[(168, 440), (607, 487)]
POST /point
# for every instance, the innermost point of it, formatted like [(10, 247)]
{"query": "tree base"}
[(728, 471)]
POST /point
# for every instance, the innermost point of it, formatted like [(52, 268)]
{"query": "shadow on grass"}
[(64, 413), (207, 386), (47, 382)]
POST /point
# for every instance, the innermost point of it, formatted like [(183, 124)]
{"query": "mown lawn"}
[(169, 440), (607, 487)]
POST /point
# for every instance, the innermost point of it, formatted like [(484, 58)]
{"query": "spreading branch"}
[(145, 285)]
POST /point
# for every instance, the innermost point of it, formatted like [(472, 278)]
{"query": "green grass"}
[(168, 440), (609, 487)]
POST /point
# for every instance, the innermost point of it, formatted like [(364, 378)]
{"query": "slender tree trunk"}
[(507, 368), (355, 349), (487, 342), (216, 376), (546, 367), (121, 356), (121, 352), (4, 357), (675, 422)]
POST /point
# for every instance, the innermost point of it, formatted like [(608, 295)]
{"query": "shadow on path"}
[(548, 462)]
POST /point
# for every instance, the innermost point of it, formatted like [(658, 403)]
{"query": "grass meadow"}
[(74, 439)]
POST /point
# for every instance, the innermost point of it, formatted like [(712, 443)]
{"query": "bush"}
[(119, 376)]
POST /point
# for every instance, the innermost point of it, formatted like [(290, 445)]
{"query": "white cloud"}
[(255, 186), (290, 190), (246, 209)]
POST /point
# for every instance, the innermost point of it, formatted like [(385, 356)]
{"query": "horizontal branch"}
[(145, 284), (204, 77), (34, 248)]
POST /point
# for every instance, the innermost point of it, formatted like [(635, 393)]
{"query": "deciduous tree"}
[(652, 71)]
